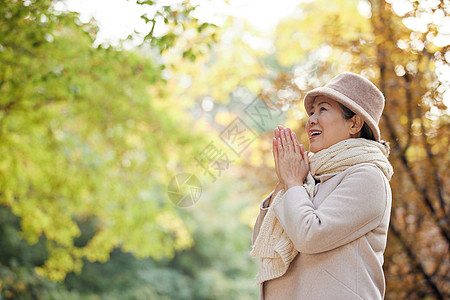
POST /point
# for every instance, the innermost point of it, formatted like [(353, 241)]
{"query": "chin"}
[(314, 149)]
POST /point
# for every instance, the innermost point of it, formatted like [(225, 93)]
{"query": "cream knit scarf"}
[(274, 248)]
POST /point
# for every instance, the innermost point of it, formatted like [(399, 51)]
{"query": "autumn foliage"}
[(90, 137)]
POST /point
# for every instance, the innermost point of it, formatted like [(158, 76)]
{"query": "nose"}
[(312, 120)]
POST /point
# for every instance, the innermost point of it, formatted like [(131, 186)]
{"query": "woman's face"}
[(326, 126)]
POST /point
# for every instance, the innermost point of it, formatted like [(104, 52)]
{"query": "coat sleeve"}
[(262, 213), (354, 208)]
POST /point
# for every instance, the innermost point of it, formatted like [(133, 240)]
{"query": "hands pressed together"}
[(291, 159)]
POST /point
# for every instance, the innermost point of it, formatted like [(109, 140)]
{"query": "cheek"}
[(334, 127), (338, 131)]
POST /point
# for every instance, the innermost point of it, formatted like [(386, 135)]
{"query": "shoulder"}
[(368, 180), (365, 171), (364, 178)]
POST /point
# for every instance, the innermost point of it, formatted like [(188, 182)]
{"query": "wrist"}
[(280, 186), (292, 184)]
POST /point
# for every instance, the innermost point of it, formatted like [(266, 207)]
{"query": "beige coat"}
[(340, 234)]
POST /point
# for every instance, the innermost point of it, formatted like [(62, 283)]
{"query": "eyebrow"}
[(323, 102)]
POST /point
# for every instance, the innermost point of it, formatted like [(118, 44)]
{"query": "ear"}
[(356, 125)]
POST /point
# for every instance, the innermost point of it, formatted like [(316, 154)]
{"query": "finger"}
[(296, 145), (277, 133), (302, 150), (287, 145), (280, 147), (306, 157), (274, 148), (280, 129), (289, 140), (275, 157), (276, 154)]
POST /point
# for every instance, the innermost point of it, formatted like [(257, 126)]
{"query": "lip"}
[(311, 136)]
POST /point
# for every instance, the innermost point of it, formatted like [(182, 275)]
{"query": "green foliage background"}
[(90, 137)]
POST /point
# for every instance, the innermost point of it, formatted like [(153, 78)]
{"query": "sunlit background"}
[(136, 138)]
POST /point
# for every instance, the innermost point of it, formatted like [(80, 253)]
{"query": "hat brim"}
[(343, 99)]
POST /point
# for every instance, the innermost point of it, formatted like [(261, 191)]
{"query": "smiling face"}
[(326, 125)]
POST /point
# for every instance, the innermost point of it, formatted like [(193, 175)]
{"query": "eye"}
[(322, 108)]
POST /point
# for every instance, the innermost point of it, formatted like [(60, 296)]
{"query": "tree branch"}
[(416, 262)]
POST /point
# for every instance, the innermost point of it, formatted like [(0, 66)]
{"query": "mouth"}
[(314, 133)]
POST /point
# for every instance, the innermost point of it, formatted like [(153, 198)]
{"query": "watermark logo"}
[(213, 160), (184, 189), (238, 136), (265, 115)]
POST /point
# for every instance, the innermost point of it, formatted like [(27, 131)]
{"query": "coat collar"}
[(325, 177)]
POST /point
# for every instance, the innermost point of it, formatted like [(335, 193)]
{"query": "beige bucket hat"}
[(355, 92)]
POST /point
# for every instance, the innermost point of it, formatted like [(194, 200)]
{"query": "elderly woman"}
[(321, 233)]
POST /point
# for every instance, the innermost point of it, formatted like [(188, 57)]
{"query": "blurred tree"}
[(18, 279), (88, 138), (328, 38), (410, 65), (180, 23), (84, 135), (216, 267), (417, 122)]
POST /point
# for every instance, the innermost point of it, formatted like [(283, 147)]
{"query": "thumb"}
[(306, 156)]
